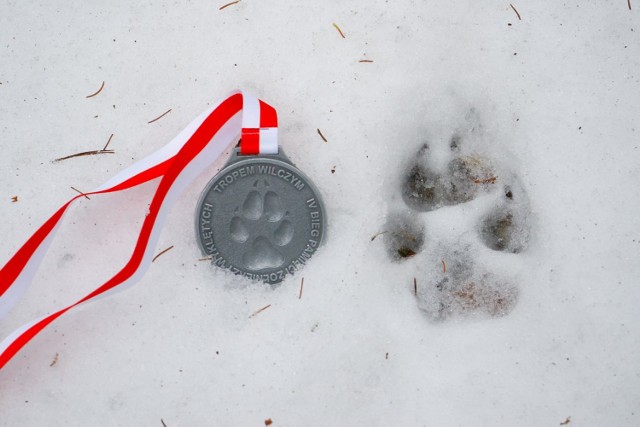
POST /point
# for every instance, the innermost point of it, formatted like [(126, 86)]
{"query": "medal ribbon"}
[(178, 163)]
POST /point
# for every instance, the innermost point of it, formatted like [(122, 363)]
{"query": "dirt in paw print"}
[(457, 283), (463, 287), (426, 189), (506, 226), (260, 226), (405, 236)]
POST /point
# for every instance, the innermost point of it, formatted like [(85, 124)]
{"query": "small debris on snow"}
[(162, 253), (97, 92), (160, 116)]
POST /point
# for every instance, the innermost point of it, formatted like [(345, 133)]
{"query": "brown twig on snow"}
[(209, 258), (85, 153), (415, 287), (55, 360), (518, 14), (365, 60), (444, 266), (565, 422), (260, 311), (107, 144), (162, 253), (83, 194), (14, 199), (160, 116), (301, 288), (339, 30), (322, 136), (95, 93), (229, 4), (629, 4), (163, 424)]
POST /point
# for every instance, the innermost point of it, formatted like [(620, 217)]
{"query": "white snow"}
[(557, 97)]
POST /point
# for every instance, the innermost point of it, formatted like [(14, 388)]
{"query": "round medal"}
[(260, 217)]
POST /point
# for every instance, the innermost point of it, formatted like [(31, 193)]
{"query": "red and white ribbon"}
[(178, 163)]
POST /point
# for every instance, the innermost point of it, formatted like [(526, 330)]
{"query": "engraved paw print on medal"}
[(261, 227), (463, 215)]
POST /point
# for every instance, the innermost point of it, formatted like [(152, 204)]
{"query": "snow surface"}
[(556, 94)]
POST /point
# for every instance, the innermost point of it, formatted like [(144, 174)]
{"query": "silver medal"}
[(260, 217)]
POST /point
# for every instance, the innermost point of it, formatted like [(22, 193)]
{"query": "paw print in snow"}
[(260, 227), (488, 207)]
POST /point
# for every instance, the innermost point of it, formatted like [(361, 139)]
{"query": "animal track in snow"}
[(460, 284)]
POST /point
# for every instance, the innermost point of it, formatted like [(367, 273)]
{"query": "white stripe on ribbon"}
[(178, 163), (251, 113), (269, 141)]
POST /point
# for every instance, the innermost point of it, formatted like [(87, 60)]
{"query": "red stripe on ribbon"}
[(268, 115), (14, 267), (250, 143)]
